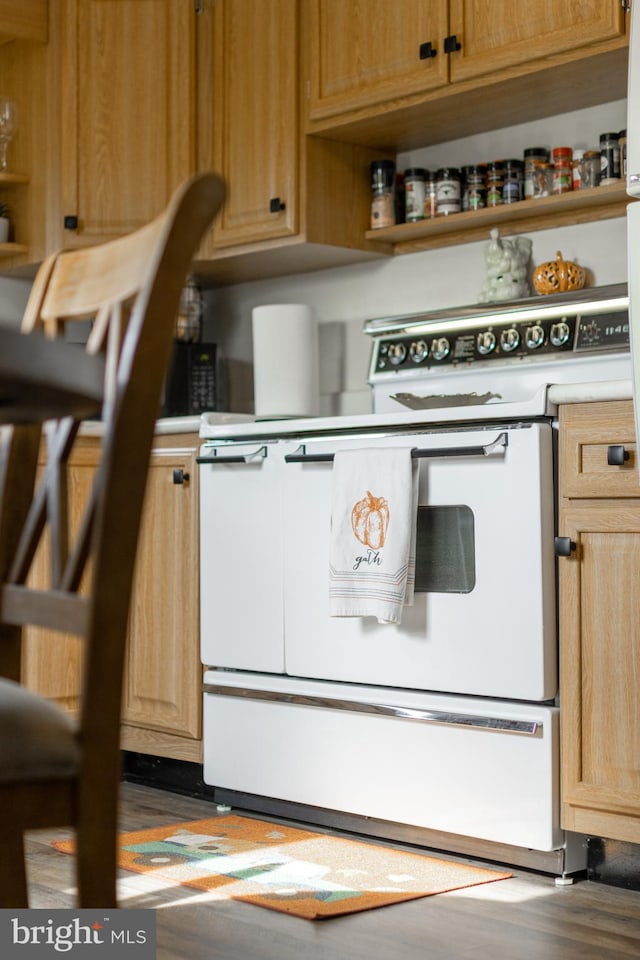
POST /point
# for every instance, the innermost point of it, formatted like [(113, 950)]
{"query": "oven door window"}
[(445, 550)]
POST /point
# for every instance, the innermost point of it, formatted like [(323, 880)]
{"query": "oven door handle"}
[(260, 453), (484, 450)]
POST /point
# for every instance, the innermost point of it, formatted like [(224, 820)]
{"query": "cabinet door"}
[(373, 51), (255, 116), (52, 662), (128, 108), (600, 670), (496, 36), (163, 679)]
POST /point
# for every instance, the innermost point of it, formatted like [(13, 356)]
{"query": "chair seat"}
[(39, 740)]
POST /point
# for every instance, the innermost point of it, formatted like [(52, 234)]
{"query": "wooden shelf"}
[(12, 179), (12, 249), (543, 213)]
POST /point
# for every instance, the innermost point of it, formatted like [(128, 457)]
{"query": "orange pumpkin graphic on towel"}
[(370, 519)]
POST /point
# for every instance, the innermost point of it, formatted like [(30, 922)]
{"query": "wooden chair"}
[(56, 770)]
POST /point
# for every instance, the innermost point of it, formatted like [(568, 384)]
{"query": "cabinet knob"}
[(276, 205), (179, 476), (71, 222), (427, 51), (564, 546), (451, 44), (617, 455)]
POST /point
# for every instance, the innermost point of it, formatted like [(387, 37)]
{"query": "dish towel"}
[(372, 557)]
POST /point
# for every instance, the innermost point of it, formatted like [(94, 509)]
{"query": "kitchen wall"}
[(345, 297)]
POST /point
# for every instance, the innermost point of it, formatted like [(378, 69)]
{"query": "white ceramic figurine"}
[(507, 269)]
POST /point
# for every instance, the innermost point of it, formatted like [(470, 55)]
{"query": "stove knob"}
[(440, 348), (397, 353), (486, 342), (534, 337), (559, 333), (509, 339), (419, 351)]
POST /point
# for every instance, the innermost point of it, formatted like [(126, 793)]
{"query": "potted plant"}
[(4, 222)]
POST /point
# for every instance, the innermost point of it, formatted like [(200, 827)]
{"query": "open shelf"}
[(12, 249), (542, 213), (12, 179)]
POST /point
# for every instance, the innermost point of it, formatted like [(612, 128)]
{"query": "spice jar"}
[(448, 191), (474, 190), (532, 155), (622, 143), (431, 195), (576, 169), (383, 174), (609, 158), (494, 183), (542, 179), (562, 180), (590, 169), (414, 193), (512, 184)]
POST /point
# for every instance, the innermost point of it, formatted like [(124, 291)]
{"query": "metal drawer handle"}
[(258, 454), (502, 440), (617, 456), (529, 728)]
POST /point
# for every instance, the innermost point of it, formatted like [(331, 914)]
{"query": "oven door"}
[(241, 617), (483, 617)]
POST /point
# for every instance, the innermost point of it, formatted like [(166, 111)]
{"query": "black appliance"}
[(193, 381)]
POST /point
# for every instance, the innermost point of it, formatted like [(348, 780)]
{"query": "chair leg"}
[(96, 867), (13, 876)]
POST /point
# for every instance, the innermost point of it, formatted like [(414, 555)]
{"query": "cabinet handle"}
[(617, 455), (564, 546), (427, 51), (276, 205), (451, 44), (71, 222), (179, 476)]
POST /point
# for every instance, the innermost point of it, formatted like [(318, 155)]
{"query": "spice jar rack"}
[(541, 213)]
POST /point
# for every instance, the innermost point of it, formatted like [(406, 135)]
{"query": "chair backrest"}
[(130, 289)]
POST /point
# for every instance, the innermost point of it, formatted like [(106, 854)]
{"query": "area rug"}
[(300, 872)]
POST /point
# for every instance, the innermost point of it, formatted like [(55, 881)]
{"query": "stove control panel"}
[(569, 336)]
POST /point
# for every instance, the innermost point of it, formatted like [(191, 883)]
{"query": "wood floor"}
[(524, 918)]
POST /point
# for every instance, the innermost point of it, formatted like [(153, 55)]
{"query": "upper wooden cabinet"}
[(293, 202), (370, 52), (255, 118), (373, 66), (127, 111), (23, 20)]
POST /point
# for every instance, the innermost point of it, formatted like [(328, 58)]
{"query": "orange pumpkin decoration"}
[(558, 275), (369, 520)]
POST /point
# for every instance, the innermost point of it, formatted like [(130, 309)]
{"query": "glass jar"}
[(609, 158), (495, 181), (532, 155), (383, 174), (622, 143), (448, 191), (562, 180), (542, 179), (474, 189), (590, 169), (414, 193), (576, 169), (512, 184), (431, 195)]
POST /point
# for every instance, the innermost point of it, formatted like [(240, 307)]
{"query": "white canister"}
[(285, 361)]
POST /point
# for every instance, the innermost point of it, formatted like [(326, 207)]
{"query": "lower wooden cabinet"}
[(599, 588), (162, 706)]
